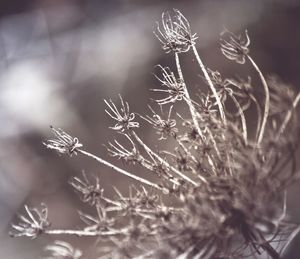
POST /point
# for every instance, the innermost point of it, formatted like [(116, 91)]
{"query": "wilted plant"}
[(221, 193)]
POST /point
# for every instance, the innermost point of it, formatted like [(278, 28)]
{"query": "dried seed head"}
[(174, 86), (63, 250), (64, 143), (243, 87), (164, 127), (128, 156), (175, 32), (123, 117), (101, 222), (89, 192), (222, 86), (33, 224), (206, 106), (235, 47)]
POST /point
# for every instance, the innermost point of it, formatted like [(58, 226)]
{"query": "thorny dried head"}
[(115, 149), (32, 224), (165, 127), (235, 47), (222, 85), (174, 86), (175, 32), (89, 192), (123, 117), (64, 143)]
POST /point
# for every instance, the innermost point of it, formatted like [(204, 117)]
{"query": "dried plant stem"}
[(288, 115), (259, 114), (164, 162), (210, 83), (187, 97), (214, 143), (290, 239), (267, 101), (121, 171), (168, 177), (85, 232), (191, 106), (214, 91), (185, 149), (243, 118)]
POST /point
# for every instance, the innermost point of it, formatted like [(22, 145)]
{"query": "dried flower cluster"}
[(221, 193)]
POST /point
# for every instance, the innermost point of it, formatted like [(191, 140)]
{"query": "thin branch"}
[(187, 97), (243, 118), (121, 171), (288, 115), (267, 100), (86, 233), (210, 83)]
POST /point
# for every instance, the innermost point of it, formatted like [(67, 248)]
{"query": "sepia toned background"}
[(60, 58)]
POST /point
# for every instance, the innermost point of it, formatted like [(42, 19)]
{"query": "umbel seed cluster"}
[(220, 194)]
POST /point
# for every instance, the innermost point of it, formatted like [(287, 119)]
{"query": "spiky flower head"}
[(235, 47), (123, 117), (64, 143), (172, 86), (117, 150), (89, 192), (175, 32), (33, 224), (165, 127)]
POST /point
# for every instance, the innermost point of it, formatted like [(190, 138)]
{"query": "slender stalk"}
[(214, 143), (164, 162), (259, 115), (288, 115), (289, 240), (214, 91), (121, 171), (243, 119), (187, 97), (86, 233), (210, 83), (267, 101)]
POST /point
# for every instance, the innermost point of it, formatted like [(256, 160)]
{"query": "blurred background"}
[(60, 58)]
